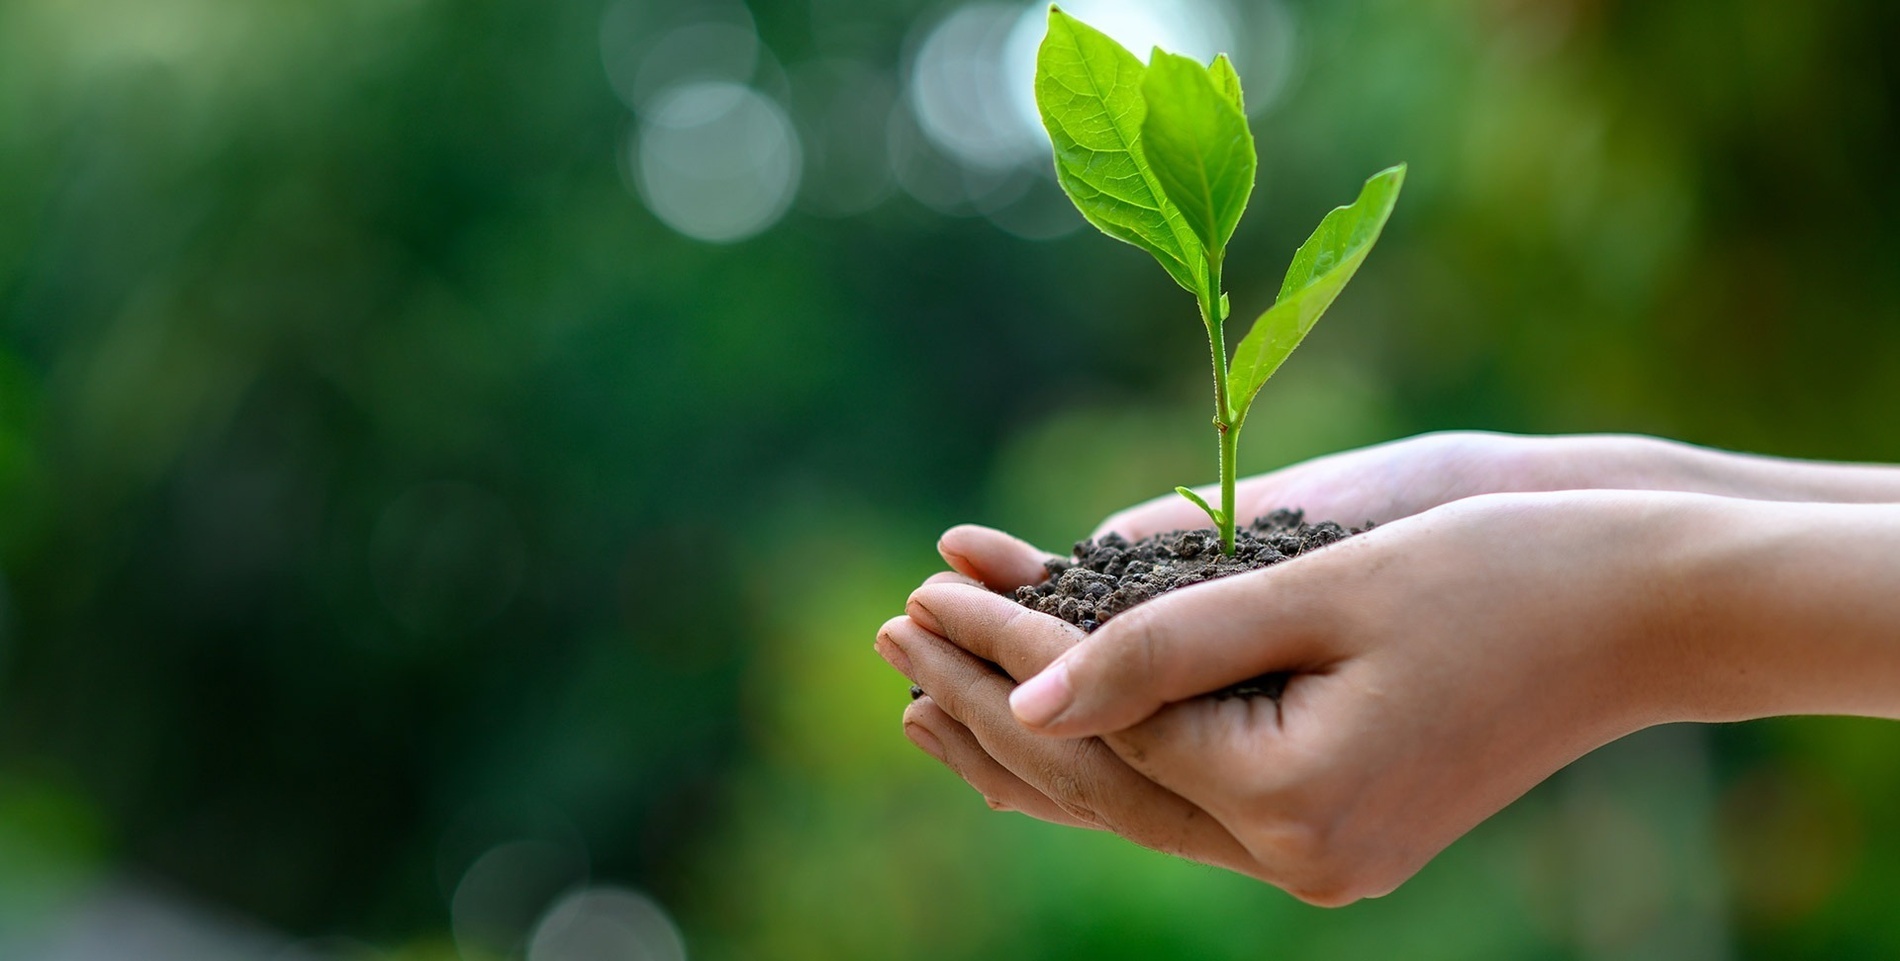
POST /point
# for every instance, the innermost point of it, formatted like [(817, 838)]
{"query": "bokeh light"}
[(965, 93), (606, 924), (494, 910), (647, 47), (717, 161)]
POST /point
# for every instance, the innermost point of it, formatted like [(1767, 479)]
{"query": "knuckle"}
[(1069, 784), (1080, 812), (1065, 788), (962, 698)]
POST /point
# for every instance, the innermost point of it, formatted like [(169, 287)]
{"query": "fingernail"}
[(1044, 697), (958, 562), (924, 618), (891, 653), (926, 741)]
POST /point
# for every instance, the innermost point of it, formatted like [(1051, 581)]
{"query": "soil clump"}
[(1107, 576)]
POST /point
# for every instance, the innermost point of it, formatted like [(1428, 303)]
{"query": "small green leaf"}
[(1088, 90), (1213, 514), (1198, 145), (1227, 81), (1320, 270)]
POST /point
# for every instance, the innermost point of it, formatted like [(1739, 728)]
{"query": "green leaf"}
[(1214, 514), (1319, 272), (1227, 81), (1088, 90), (1198, 145)]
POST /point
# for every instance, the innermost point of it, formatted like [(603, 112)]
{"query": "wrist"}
[(1776, 609), (1677, 466), (1647, 660), (1637, 462)]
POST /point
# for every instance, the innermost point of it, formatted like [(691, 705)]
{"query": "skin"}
[(1502, 621)]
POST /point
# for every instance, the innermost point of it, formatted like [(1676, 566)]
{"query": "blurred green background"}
[(454, 455)]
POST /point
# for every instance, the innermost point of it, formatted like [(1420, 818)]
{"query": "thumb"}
[(1179, 646)]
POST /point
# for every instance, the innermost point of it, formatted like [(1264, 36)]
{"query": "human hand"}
[(964, 722), (1388, 481), (1398, 479), (1443, 665)]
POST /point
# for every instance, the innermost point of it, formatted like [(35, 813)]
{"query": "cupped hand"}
[(1401, 478), (964, 721), (1443, 665)]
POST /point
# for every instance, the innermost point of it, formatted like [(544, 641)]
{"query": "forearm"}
[(1784, 609)]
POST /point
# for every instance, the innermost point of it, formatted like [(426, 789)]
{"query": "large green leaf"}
[(1197, 143), (1320, 270), (1088, 90)]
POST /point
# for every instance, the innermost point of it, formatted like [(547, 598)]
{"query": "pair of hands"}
[(1501, 621)]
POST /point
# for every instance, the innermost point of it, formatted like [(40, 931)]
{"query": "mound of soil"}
[(1108, 576)]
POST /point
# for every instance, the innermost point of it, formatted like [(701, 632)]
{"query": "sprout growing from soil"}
[(1160, 156)]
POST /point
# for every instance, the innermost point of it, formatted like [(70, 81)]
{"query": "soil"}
[(1108, 576)]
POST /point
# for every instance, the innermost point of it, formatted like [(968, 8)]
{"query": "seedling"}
[(1160, 156)]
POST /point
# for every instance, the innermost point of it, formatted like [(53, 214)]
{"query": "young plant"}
[(1160, 156)]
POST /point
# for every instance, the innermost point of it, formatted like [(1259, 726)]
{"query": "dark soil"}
[(1108, 576)]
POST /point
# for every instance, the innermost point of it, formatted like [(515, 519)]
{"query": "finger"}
[(1001, 562), (890, 652), (994, 628), (1206, 749), (1083, 777), (953, 577), (1184, 644), (946, 739)]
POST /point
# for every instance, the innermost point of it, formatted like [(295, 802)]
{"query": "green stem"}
[(1223, 419), (1229, 461)]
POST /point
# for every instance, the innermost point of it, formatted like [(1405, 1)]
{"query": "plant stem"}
[(1223, 411), (1229, 460)]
